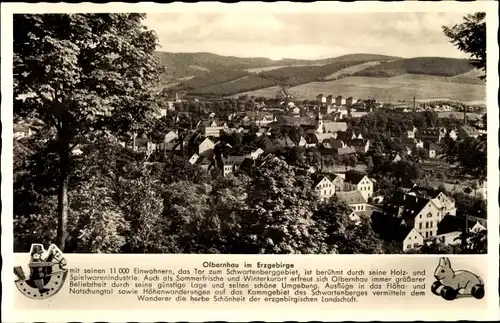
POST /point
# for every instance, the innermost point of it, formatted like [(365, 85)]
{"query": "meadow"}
[(402, 87)]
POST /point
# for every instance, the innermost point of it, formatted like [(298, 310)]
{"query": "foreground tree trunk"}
[(62, 202)]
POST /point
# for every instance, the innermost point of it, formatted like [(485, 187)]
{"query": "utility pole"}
[(414, 104)]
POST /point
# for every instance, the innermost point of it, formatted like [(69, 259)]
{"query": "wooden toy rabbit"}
[(451, 283)]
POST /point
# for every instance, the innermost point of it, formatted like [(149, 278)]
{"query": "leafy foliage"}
[(470, 38), (469, 154), (86, 76), (421, 65)]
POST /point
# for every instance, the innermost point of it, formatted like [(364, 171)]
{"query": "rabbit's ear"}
[(446, 262), (442, 261)]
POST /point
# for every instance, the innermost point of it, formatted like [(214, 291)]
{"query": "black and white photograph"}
[(250, 133)]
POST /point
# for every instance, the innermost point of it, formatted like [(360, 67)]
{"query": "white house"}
[(206, 147), (302, 142), (453, 134), (354, 199), (412, 240), (360, 182), (212, 128), (194, 159), (324, 187), (340, 100), (321, 98), (354, 217), (411, 133), (445, 204), (478, 227), (423, 213), (255, 154)]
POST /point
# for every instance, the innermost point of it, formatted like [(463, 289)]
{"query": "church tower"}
[(319, 121)]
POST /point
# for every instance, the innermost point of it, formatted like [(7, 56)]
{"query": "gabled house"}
[(477, 227), (321, 98), (323, 186), (265, 120), (422, 213), (360, 145), (206, 148), (256, 153), (410, 134), (212, 128), (340, 100), (354, 217), (410, 238), (453, 134), (193, 159), (330, 126), (396, 231), (396, 158), (230, 164), (360, 182), (302, 142), (354, 199), (443, 202), (296, 111), (432, 148)]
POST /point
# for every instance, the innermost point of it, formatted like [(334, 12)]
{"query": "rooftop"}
[(351, 197)]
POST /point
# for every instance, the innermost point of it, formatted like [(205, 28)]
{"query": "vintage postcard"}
[(250, 161)]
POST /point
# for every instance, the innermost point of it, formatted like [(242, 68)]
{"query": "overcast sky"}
[(306, 35)]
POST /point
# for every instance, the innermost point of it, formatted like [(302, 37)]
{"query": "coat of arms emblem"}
[(47, 272)]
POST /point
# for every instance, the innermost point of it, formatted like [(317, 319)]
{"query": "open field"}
[(419, 65), (460, 115), (351, 70), (402, 87), (235, 86), (270, 68)]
